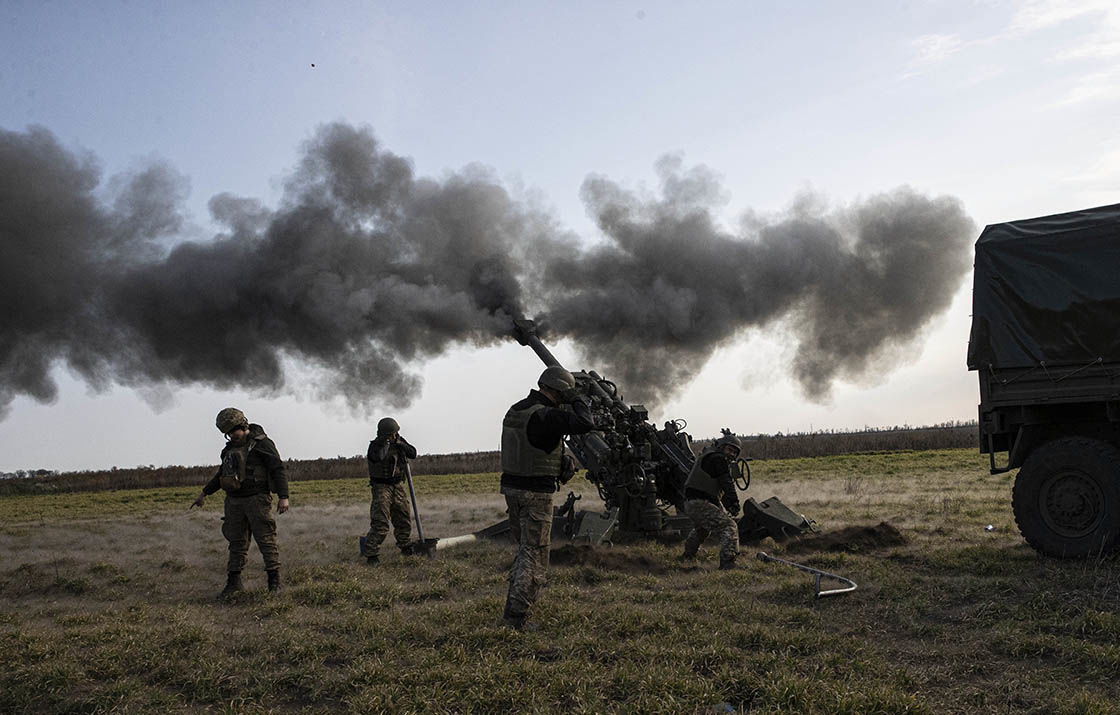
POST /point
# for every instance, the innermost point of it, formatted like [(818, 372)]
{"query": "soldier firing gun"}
[(639, 470)]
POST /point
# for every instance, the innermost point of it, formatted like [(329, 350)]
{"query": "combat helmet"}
[(229, 419), (729, 439), (557, 378), (387, 426)]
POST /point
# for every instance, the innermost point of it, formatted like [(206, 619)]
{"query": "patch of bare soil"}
[(853, 539), (604, 558)]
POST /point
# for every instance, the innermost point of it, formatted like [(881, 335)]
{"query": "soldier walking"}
[(709, 490), (251, 470), (533, 461), (387, 459)]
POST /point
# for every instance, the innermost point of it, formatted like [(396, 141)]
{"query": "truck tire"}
[(1066, 498)]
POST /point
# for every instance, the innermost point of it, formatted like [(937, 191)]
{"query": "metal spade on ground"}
[(422, 546)]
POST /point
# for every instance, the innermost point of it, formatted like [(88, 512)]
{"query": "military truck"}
[(1045, 343)]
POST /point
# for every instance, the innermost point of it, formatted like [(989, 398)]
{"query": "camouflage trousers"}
[(530, 521), (388, 503), (708, 518), (246, 518)]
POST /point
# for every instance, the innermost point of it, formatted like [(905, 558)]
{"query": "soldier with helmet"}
[(711, 500), (533, 462), (387, 459), (250, 472)]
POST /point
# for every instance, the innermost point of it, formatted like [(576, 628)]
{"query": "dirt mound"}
[(853, 539), (603, 558)]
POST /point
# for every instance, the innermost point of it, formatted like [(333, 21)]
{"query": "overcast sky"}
[(1010, 107)]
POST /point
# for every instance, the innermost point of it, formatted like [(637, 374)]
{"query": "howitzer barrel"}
[(525, 331)]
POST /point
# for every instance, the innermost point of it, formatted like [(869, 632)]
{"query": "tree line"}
[(819, 443)]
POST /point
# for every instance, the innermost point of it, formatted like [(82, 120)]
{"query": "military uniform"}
[(710, 489), (532, 461), (249, 474), (387, 462)]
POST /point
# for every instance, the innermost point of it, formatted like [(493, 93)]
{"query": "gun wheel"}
[(1067, 498)]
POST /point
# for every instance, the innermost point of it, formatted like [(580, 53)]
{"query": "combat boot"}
[(520, 622), (372, 558), (233, 585), (527, 627), (274, 580), (726, 563)]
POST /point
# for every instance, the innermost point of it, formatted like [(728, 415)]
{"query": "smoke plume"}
[(669, 286), (365, 270)]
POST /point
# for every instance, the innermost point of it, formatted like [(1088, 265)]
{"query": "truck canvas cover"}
[(1047, 291)]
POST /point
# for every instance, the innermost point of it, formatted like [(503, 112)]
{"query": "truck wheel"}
[(1067, 498)]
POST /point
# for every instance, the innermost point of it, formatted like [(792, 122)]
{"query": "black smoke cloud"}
[(365, 270), (669, 286)]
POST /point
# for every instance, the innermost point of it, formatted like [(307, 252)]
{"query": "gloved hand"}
[(568, 468), (732, 508)]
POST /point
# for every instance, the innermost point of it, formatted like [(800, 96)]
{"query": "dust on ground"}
[(604, 558), (853, 539)]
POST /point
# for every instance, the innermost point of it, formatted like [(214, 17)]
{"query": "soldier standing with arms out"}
[(532, 463), (251, 469), (387, 459), (710, 489)]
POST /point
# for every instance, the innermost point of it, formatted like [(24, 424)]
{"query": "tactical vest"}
[(236, 472), (519, 456), (390, 469), (700, 480)]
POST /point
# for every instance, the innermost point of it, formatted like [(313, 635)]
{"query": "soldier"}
[(709, 484), (533, 461), (251, 470), (387, 459)]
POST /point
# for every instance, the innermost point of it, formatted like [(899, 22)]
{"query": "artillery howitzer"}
[(639, 470)]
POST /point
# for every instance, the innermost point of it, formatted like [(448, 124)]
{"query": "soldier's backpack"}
[(770, 518), (232, 474)]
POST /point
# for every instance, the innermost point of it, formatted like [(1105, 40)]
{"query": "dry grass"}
[(113, 610)]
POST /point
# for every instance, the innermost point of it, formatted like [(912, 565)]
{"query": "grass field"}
[(107, 604)]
